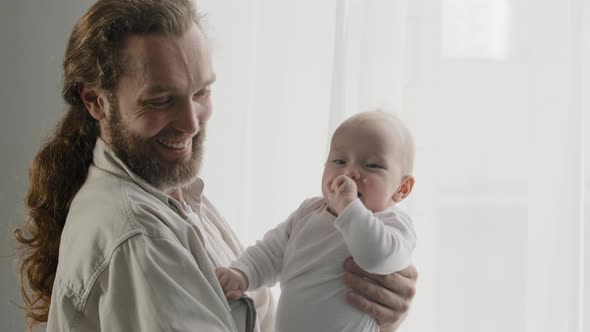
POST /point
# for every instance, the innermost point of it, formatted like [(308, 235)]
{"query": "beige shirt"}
[(223, 248), (132, 259)]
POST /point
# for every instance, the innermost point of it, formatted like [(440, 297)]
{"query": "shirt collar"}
[(105, 158), (193, 193)]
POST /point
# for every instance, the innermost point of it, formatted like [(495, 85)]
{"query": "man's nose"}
[(187, 119)]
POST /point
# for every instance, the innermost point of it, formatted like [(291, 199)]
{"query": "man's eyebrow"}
[(157, 88)]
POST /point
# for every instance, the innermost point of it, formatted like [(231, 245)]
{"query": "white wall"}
[(33, 35)]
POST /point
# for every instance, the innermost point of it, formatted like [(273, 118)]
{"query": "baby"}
[(367, 173)]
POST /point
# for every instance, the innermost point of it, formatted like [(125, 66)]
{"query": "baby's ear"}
[(404, 189)]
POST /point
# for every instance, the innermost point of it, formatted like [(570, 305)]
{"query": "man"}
[(119, 236)]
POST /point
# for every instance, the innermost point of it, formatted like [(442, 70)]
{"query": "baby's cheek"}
[(327, 178), (325, 189)]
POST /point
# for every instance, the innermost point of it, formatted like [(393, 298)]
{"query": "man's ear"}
[(94, 99), (404, 189)]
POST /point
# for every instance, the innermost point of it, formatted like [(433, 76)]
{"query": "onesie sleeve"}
[(262, 263), (380, 243)]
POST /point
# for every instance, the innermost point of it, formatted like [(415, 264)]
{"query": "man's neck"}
[(177, 193)]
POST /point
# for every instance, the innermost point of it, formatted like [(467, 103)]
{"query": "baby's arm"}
[(233, 281), (262, 263), (378, 245)]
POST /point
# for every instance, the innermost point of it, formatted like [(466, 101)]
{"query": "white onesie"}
[(306, 254)]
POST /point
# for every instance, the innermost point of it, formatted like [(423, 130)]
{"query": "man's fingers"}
[(385, 297), (368, 307), (351, 266), (383, 315), (410, 272), (375, 293), (402, 283), (406, 279), (386, 307)]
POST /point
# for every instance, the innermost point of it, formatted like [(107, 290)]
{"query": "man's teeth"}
[(174, 144)]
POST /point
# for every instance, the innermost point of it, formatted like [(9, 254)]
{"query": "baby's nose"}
[(352, 172)]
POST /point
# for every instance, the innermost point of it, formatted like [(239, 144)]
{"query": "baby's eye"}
[(204, 92), (372, 165)]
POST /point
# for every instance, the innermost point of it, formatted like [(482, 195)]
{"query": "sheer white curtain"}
[(495, 92)]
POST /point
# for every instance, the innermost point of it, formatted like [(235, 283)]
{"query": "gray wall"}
[(33, 35)]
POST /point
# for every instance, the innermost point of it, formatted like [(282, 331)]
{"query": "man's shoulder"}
[(114, 206), (106, 212)]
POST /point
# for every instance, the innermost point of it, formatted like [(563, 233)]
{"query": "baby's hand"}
[(234, 282), (341, 191)]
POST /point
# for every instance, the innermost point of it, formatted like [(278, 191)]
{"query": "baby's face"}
[(366, 152)]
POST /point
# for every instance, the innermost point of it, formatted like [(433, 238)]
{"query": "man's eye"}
[(159, 103), (338, 162)]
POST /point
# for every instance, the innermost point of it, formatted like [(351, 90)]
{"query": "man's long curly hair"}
[(94, 57)]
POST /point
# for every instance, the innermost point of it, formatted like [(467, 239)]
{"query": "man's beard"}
[(144, 160)]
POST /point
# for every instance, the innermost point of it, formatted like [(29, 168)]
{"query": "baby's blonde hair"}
[(399, 129)]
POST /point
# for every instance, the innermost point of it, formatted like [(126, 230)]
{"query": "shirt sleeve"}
[(380, 245), (154, 284)]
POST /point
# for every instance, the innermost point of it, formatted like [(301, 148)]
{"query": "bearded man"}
[(118, 235)]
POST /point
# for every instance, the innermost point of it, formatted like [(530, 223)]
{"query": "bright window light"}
[(475, 28)]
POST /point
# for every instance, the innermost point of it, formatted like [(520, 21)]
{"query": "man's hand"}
[(234, 282), (340, 191), (388, 301)]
